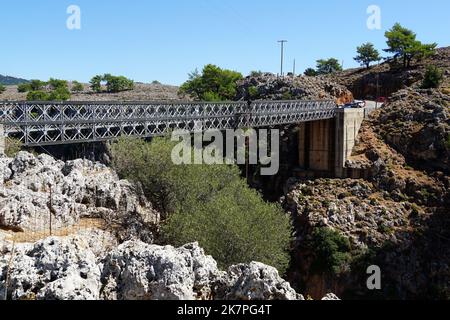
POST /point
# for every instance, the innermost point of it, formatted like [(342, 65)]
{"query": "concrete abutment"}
[(326, 145)]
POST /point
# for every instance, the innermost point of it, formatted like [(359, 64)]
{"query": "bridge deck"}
[(51, 123)]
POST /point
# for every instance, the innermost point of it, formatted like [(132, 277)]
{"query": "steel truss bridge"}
[(53, 123)]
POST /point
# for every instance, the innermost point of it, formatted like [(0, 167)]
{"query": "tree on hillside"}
[(310, 72), (57, 84), (213, 84), (328, 66), (367, 54), (36, 85), (2, 88), (403, 44), (77, 86), (96, 83), (114, 84)]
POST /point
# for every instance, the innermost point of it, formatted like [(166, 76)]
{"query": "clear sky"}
[(164, 40)]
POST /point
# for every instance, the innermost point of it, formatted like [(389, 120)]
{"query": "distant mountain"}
[(7, 80)]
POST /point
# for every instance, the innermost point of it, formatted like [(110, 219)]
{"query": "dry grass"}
[(27, 236)]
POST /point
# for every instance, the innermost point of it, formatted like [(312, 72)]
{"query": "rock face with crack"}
[(36, 189), (71, 269)]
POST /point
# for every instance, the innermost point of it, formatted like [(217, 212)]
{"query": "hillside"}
[(397, 218), (391, 78), (8, 81), (141, 92)]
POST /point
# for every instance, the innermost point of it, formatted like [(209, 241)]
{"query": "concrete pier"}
[(325, 145)]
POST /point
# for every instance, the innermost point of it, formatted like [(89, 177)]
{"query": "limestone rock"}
[(36, 188), (330, 296), (51, 269), (255, 281), (139, 271)]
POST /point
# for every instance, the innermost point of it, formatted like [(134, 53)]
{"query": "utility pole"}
[(378, 85), (282, 54), (293, 69)]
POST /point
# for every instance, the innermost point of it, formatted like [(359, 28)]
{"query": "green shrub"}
[(214, 84), (235, 226), (327, 66), (433, 77), (117, 84), (252, 92), (77, 86), (57, 84), (38, 96), (59, 94), (24, 87), (12, 147), (114, 84), (287, 95), (37, 85), (170, 187), (2, 88), (210, 204), (310, 72), (332, 251), (96, 83)]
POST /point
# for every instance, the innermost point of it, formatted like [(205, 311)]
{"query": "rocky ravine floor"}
[(111, 260)]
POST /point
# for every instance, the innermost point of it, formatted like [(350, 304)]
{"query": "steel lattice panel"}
[(48, 123)]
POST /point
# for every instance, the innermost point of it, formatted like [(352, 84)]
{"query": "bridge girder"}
[(52, 123)]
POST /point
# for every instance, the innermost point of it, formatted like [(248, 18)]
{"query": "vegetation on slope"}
[(213, 84), (210, 204)]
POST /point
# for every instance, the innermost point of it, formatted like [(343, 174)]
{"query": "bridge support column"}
[(326, 145), (316, 145)]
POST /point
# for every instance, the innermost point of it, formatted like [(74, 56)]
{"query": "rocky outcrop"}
[(139, 271), (254, 281), (39, 191), (417, 124), (51, 269), (72, 269), (406, 240), (354, 207), (390, 77), (267, 86)]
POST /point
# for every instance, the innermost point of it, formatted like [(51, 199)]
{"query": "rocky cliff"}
[(74, 231), (397, 217), (391, 77), (71, 268), (39, 193)]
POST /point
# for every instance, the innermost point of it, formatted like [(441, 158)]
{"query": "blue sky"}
[(164, 40)]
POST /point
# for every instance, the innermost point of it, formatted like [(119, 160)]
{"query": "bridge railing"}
[(46, 123)]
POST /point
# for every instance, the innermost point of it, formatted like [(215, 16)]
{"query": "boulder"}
[(254, 281)]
